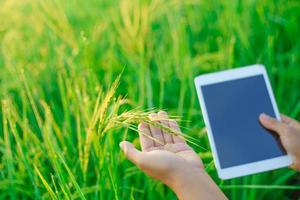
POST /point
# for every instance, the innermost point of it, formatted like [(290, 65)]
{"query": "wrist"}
[(184, 176), (190, 184)]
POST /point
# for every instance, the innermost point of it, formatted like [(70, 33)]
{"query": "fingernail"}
[(152, 115), (121, 144), (265, 116), (162, 112), (142, 126)]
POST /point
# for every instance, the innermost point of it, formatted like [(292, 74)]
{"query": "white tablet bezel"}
[(232, 74)]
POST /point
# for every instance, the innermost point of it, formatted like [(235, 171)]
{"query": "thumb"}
[(130, 152), (272, 123)]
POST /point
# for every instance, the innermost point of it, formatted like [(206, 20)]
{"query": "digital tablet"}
[(231, 102)]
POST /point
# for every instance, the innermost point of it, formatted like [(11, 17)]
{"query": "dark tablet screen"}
[(233, 109)]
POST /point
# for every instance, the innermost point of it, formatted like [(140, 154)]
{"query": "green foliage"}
[(62, 114)]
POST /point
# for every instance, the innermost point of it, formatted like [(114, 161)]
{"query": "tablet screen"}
[(233, 109)]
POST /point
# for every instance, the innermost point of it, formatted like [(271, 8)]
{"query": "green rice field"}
[(76, 77)]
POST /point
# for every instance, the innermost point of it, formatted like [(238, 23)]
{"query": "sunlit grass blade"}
[(71, 176), (45, 183)]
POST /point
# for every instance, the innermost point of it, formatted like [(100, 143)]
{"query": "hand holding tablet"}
[(288, 130), (231, 103)]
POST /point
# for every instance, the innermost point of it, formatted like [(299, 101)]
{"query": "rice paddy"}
[(78, 76)]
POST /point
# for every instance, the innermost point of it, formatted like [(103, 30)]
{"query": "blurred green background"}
[(57, 56)]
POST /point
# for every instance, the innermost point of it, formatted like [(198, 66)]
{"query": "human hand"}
[(166, 155), (169, 159), (289, 133)]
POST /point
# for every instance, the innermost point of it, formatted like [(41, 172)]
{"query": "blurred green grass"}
[(57, 57)]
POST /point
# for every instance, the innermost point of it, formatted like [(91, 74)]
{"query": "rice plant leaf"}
[(47, 186), (73, 180)]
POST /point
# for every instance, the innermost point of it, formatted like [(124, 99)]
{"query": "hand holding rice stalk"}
[(166, 156)]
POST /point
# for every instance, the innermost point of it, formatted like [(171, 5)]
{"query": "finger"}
[(130, 152), (272, 123), (145, 136), (174, 126), (295, 166), (289, 121), (156, 132), (163, 116)]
